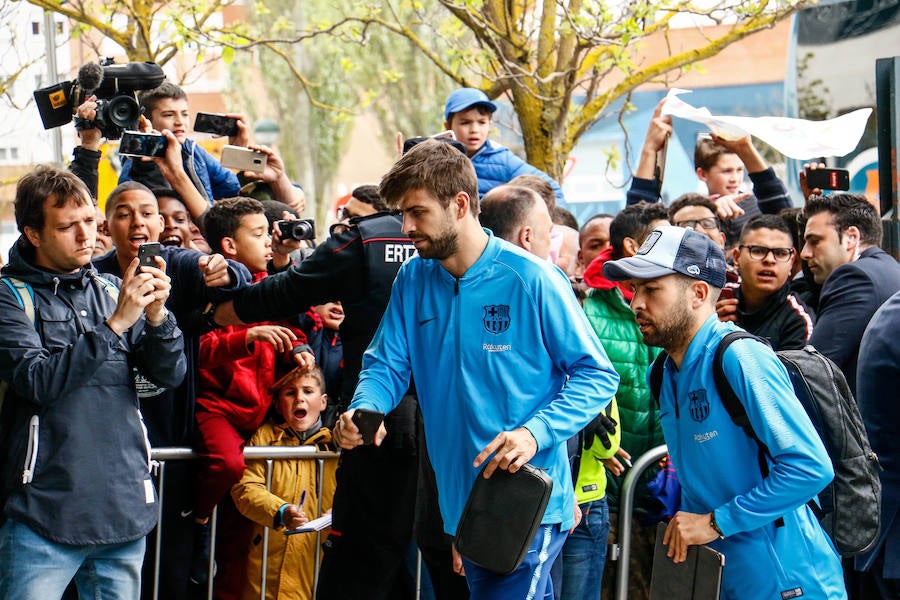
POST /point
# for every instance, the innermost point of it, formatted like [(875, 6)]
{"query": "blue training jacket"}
[(718, 469), (489, 352)]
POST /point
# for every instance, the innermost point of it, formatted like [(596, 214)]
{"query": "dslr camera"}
[(115, 87), (303, 229)]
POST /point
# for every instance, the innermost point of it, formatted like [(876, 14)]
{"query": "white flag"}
[(796, 138)]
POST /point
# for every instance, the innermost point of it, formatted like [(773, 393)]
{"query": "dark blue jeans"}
[(578, 570)]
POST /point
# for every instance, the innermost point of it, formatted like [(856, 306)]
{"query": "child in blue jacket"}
[(469, 113)]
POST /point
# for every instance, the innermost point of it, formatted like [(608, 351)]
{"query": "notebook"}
[(697, 578), (312, 526)]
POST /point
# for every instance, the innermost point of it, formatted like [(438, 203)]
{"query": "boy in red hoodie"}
[(238, 365)]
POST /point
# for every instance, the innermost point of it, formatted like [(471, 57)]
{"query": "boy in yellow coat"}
[(298, 401)]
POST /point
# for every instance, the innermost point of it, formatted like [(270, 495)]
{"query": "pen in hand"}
[(302, 499)]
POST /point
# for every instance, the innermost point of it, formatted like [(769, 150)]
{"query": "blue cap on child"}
[(465, 98)]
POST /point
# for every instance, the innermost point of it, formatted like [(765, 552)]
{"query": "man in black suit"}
[(879, 372), (842, 237)]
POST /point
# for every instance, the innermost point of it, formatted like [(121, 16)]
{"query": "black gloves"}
[(602, 426)]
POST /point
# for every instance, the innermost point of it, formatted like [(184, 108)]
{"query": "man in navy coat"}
[(877, 380), (841, 247)]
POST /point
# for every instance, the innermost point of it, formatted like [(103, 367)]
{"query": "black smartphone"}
[(367, 421), (147, 253), (135, 143), (215, 123), (828, 179)]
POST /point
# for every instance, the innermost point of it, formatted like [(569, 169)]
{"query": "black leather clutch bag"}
[(502, 516), (699, 577)]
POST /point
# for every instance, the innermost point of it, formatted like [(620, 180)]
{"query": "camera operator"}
[(86, 156)]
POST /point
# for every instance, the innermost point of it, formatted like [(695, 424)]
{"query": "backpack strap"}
[(733, 405), (656, 375), (110, 288), (24, 294)]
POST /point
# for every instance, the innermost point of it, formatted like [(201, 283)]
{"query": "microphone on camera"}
[(90, 76)]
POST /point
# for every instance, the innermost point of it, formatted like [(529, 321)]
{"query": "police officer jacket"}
[(357, 267)]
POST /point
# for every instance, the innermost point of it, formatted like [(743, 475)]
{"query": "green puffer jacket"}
[(613, 321)]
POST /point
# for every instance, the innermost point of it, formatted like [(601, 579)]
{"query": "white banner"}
[(795, 138)]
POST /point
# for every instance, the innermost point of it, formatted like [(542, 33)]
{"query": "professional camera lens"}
[(124, 112)]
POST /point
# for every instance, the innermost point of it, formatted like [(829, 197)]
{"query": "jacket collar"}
[(313, 436), (771, 302), (21, 266), (702, 340)]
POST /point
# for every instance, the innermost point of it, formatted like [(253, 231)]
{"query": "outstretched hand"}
[(215, 270), (727, 205), (279, 336)]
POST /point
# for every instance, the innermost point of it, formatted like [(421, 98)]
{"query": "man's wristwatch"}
[(715, 526)]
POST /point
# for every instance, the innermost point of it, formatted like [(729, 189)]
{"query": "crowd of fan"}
[(796, 276)]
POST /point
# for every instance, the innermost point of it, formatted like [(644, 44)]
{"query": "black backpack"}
[(850, 506)]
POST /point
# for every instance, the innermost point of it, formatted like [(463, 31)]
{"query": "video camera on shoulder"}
[(116, 88)]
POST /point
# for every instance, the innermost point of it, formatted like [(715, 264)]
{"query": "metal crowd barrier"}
[(622, 551), (267, 453)]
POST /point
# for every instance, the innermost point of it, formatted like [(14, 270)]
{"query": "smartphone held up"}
[(216, 124), (243, 159), (147, 254), (136, 143), (828, 179)]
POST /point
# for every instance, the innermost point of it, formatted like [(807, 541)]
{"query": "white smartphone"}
[(449, 133), (243, 159)]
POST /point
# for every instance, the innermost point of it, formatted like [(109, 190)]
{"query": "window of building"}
[(35, 28)]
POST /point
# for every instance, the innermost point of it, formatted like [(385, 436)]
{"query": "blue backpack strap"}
[(24, 295)]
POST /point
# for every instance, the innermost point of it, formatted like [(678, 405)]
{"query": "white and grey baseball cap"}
[(670, 250)]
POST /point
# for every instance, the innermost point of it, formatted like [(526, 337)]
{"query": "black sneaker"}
[(200, 556)]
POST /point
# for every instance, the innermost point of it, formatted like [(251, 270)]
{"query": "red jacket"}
[(234, 379)]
